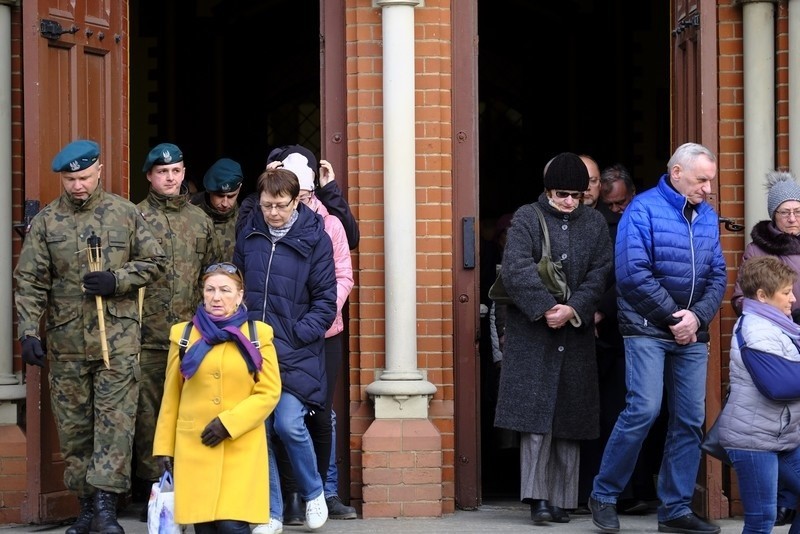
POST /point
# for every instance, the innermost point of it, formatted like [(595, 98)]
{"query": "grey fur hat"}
[(781, 186)]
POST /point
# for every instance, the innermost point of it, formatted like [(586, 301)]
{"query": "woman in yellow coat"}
[(217, 395)]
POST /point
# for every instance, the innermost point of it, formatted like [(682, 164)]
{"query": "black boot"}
[(105, 516), (540, 511), (294, 511), (84, 521)]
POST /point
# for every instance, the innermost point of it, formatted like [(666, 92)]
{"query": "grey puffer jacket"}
[(749, 420)]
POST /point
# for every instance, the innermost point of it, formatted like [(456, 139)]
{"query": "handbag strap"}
[(545, 234)]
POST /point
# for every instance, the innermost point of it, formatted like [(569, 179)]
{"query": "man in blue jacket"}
[(671, 279)]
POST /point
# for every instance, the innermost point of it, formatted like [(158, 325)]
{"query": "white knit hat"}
[(298, 164), (781, 186)]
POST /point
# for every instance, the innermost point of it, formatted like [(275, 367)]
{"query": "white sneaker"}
[(316, 512), (273, 527)]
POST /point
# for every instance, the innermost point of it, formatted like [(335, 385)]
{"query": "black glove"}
[(214, 433), (164, 463), (32, 352), (101, 283)]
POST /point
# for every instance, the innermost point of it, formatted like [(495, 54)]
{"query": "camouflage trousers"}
[(94, 410), (153, 364)]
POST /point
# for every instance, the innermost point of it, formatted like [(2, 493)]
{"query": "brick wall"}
[(12, 474), (434, 225), (731, 152), (13, 460)]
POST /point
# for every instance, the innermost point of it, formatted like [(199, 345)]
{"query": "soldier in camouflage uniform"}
[(94, 406), (222, 183), (187, 236)]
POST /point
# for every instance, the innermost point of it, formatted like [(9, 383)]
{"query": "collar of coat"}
[(774, 242)]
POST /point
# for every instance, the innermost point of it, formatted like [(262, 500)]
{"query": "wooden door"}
[(466, 301), (694, 112), (75, 84)]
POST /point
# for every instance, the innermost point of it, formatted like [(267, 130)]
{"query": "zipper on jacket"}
[(266, 282)]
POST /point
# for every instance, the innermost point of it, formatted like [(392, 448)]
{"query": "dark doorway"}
[(584, 76), (223, 79)]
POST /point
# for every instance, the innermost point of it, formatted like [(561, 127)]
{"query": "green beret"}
[(224, 176), (76, 156), (163, 154)]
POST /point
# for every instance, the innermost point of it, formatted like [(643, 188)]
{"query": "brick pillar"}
[(12, 474), (402, 469)]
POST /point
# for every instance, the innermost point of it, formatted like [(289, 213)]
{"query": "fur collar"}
[(768, 238)]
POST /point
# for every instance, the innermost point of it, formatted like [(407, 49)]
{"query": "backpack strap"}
[(251, 324), (184, 342)]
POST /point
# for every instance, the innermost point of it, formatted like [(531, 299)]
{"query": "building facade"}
[(421, 106)]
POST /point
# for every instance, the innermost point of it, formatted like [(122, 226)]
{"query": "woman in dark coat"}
[(548, 384), (287, 260)]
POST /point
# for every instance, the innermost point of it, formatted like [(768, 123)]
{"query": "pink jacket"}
[(341, 260)]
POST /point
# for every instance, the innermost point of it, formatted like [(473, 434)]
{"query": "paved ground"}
[(503, 517)]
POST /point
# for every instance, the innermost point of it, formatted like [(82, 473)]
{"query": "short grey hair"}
[(686, 154)]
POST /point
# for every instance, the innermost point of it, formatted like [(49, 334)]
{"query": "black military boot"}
[(105, 514), (84, 521)]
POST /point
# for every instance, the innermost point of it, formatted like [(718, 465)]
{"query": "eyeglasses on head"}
[(223, 266)]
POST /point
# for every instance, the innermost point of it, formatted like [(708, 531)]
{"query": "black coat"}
[(548, 381)]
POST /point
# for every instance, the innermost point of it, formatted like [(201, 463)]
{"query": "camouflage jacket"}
[(224, 224), (54, 259), (187, 236)]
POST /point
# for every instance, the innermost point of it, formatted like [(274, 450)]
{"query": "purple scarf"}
[(775, 316), (216, 330)]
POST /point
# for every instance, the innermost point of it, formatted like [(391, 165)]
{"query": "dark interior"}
[(235, 78)]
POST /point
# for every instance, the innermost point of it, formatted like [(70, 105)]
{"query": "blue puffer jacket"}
[(664, 263), (290, 285)]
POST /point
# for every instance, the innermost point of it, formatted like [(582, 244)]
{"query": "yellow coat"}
[(229, 481)]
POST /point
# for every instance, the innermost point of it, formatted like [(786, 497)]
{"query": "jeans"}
[(652, 367), (758, 473), (332, 479), (288, 422)]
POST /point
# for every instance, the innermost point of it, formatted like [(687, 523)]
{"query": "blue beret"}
[(76, 156), (163, 154), (224, 176)]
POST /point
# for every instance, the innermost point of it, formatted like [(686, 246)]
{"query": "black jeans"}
[(223, 526)]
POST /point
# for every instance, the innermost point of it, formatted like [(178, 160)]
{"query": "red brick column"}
[(12, 474), (402, 469)]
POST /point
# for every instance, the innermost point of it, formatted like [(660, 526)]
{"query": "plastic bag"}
[(161, 507)]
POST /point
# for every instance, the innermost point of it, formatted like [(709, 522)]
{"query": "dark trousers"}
[(225, 526)]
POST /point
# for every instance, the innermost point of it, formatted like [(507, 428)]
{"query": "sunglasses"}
[(565, 194), (225, 267)]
